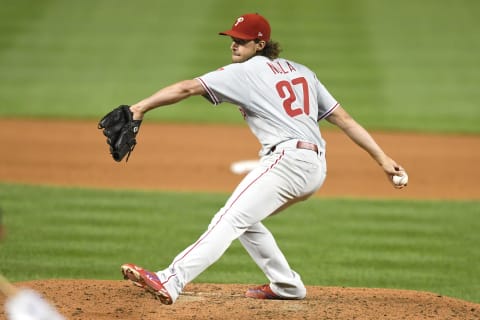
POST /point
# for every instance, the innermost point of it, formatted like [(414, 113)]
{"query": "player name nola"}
[(281, 68)]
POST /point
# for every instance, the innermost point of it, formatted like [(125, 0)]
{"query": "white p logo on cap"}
[(239, 20)]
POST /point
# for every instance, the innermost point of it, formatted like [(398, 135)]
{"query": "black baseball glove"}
[(120, 129)]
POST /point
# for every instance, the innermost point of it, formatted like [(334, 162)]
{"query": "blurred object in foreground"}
[(26, 304), (29, 305)]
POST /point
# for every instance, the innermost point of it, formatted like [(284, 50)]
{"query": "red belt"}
[(303, 145), (307, 145)]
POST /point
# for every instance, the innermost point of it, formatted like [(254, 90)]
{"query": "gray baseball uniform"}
[(282, 101)]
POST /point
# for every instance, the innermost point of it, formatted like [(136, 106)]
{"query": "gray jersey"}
[(280, 99)]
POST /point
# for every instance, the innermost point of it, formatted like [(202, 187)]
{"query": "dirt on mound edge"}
[(107, 299)]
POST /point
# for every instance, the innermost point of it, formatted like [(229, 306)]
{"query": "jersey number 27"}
[(285, 91)]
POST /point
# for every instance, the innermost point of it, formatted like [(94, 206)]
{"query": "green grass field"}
[(77, 233), (395, 65), (409, 65)]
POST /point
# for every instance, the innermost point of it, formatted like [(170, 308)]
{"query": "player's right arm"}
[(167, 96), (364, 140)]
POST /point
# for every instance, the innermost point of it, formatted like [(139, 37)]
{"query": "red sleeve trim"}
[(211, 95), (326, 114)]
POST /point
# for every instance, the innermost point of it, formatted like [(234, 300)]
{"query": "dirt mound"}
[(101, 299)]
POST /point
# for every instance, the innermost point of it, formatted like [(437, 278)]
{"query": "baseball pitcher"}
[(282, 102)]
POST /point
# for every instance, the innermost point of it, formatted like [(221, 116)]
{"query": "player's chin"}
[(237, 58)]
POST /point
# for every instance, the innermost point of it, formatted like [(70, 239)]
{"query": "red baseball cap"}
[(250, 26)]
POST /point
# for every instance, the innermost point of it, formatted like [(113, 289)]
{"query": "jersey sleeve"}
[(226, 84), (326, 102)]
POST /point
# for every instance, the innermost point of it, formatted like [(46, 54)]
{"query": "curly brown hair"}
[(271, 50)]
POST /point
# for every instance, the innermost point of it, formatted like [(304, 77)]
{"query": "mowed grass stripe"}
[(428, 54), (395, 66), (422, 245), (412, 245)]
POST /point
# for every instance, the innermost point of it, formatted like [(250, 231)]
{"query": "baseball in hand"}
[(401, 180)]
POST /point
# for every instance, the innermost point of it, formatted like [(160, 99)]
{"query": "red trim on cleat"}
[(262, 292), (147, 280)]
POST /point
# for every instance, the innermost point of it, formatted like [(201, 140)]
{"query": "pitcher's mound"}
[(102, 299)]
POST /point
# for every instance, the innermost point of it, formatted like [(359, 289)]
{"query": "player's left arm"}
[(364, 140), (167, 96)]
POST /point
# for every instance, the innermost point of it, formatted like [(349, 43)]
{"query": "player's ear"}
[(260, 45)]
